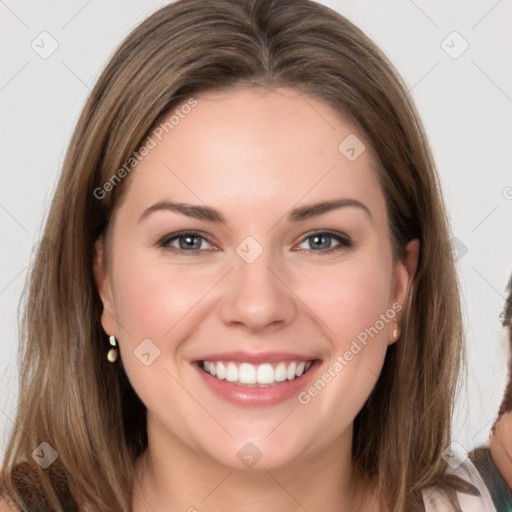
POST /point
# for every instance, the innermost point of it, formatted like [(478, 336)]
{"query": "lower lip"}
[(258, 396)]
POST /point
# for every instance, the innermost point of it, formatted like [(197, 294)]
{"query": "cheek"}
[(352, 303), (162, 303), (151, 298), (153, 302), (348, 298)]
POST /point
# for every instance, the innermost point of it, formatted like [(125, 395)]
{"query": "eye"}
[(194, 241), (185, 241), (322, 241)]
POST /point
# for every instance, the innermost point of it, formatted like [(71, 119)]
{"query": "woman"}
[(245, 297)]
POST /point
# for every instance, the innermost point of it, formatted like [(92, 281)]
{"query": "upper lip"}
[(255, 357)]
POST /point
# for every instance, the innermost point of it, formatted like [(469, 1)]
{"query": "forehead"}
[(252, 149)]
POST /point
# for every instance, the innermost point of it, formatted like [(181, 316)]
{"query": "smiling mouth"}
[(252, 375)]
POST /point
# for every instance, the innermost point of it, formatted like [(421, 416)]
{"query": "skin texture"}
[(253, 155), (501, 447)]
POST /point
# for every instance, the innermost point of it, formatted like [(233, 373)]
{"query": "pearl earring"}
[(112, 353), (395, 330)]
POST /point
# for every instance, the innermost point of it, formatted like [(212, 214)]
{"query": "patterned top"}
[(500, 493), (436, 501)]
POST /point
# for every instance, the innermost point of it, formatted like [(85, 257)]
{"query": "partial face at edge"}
[(257, 282)]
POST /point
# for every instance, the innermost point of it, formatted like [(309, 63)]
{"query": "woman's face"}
[(285, 264)]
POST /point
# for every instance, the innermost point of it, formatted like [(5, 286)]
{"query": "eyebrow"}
[(306, 212), (212, 215)]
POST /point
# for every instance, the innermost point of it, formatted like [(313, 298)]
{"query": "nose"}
[(257, 297)]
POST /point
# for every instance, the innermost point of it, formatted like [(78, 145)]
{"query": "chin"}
[(254, 456)]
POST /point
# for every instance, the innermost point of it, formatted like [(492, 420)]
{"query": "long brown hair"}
[(506, 404), (70, 396)]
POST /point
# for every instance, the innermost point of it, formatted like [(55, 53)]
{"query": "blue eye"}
[(187, 241), (322, 241), (194, 241)]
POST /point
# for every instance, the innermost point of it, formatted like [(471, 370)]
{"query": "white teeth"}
[(280, 372), (231, 372), (290, 371), (263, 374), (247, 374), (221, 370)]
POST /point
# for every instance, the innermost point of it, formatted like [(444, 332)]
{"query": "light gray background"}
[(465, 103)]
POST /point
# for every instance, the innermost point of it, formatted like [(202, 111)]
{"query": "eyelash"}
[(343, 241)]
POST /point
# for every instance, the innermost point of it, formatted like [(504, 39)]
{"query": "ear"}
[(404, 272), (104, 287)]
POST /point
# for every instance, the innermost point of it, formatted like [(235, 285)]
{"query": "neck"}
[(172, 476), (501, 447)]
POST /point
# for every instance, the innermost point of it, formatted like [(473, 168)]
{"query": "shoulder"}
[(7, 506), (498, 488), (475, 498), (6, 502)]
